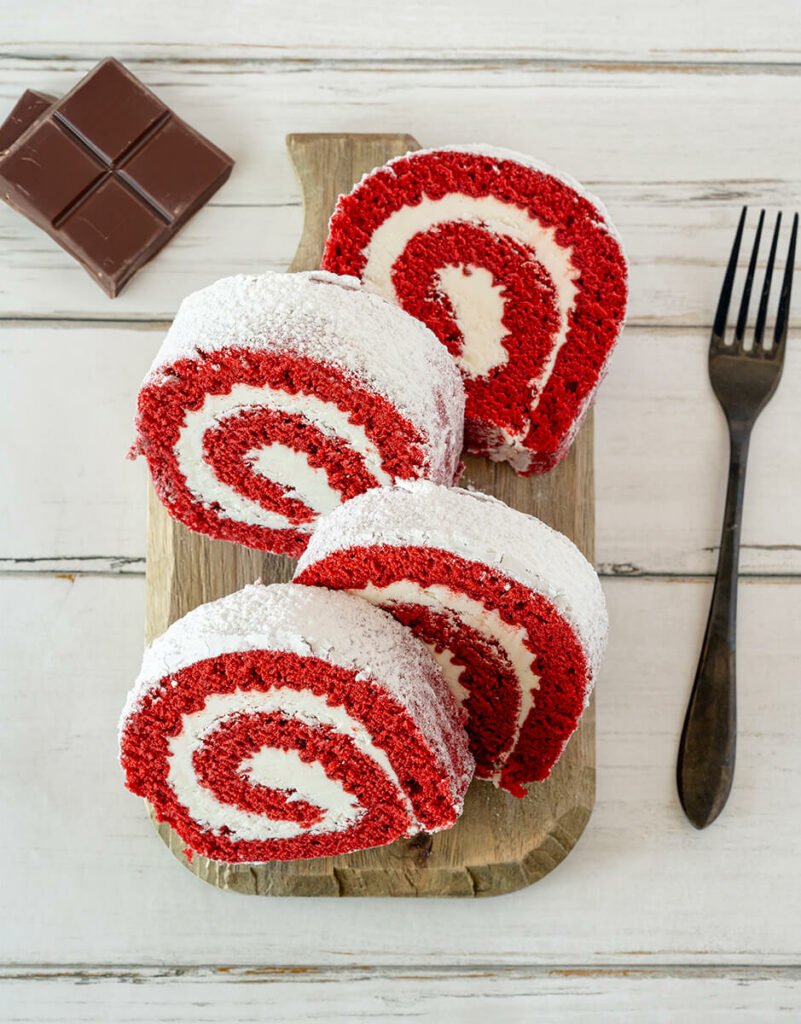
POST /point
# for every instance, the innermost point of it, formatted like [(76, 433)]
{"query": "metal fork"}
[(743, 380)]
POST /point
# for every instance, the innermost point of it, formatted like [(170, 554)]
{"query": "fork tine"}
[(719, 327), (783, 316), (762, 315), (742, 317)]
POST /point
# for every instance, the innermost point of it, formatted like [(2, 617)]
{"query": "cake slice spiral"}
[(274, 398), (511, 610), (516, 269), (287, 722)]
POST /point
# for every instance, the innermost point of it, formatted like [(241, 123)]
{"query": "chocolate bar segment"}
[(172, 168), (29, 107), (108, 171), (111, 214), (38, 191), (113, 112)]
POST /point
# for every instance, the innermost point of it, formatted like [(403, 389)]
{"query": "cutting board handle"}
[(327, 165)]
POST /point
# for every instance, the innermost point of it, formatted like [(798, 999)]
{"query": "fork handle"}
[(709, 737)]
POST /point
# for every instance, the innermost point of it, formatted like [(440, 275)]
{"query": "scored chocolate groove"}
[(111, 167)]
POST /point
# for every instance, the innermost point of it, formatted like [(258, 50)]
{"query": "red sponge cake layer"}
[(314, 725), (510, 609), (514, 267), (275, 398)]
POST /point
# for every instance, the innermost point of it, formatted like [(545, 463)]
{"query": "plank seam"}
[(488, 61), (126, 973)]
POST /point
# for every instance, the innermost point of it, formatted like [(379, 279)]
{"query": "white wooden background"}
[(676, 114)]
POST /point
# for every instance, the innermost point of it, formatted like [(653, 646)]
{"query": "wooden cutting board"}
[(500, 843)]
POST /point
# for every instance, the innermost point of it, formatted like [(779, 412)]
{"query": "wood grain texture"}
[(88, 882), (297, 995), (322, 164), (679, 113), (500, 843), (657, 144), (251, 30), (659, 484)]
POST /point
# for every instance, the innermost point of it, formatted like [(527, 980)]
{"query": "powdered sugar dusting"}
[(479, 528), (333, 320), (313, 622)]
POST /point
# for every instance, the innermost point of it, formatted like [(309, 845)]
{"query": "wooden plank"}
[(247, 30), (305, 995), (500, 843), (641, 889), (633, 140), (660, 456), (69, 407)]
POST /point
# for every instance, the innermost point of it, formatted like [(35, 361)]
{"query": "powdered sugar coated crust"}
[(478, 528), (331, 319), (330, 625)]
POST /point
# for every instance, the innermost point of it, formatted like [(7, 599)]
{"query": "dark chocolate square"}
[(115, 222), (174, 167), (110, 109), (108, 171), (49, 171)]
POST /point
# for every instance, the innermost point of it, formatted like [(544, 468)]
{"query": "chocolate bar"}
[(109, 171)]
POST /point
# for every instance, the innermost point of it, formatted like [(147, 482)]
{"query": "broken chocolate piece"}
[(108, 171), (30, 106)]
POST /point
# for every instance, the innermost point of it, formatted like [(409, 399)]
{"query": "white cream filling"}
[(204, 484), (390, 238), (478, 307), (451, 669), (475, 615), (291, 469), (341, 808), (301, 780)]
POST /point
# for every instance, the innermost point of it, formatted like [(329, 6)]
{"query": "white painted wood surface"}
[(660, 456), (573, 995), (675, 114), (640, 889), (682, 30), (661, 146)]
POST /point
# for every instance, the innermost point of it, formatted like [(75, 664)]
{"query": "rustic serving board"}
[(500, 843)]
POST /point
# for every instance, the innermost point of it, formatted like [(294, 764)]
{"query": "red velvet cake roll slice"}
[(516, 269), (511, 610), (285, 722), (274, 398)]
